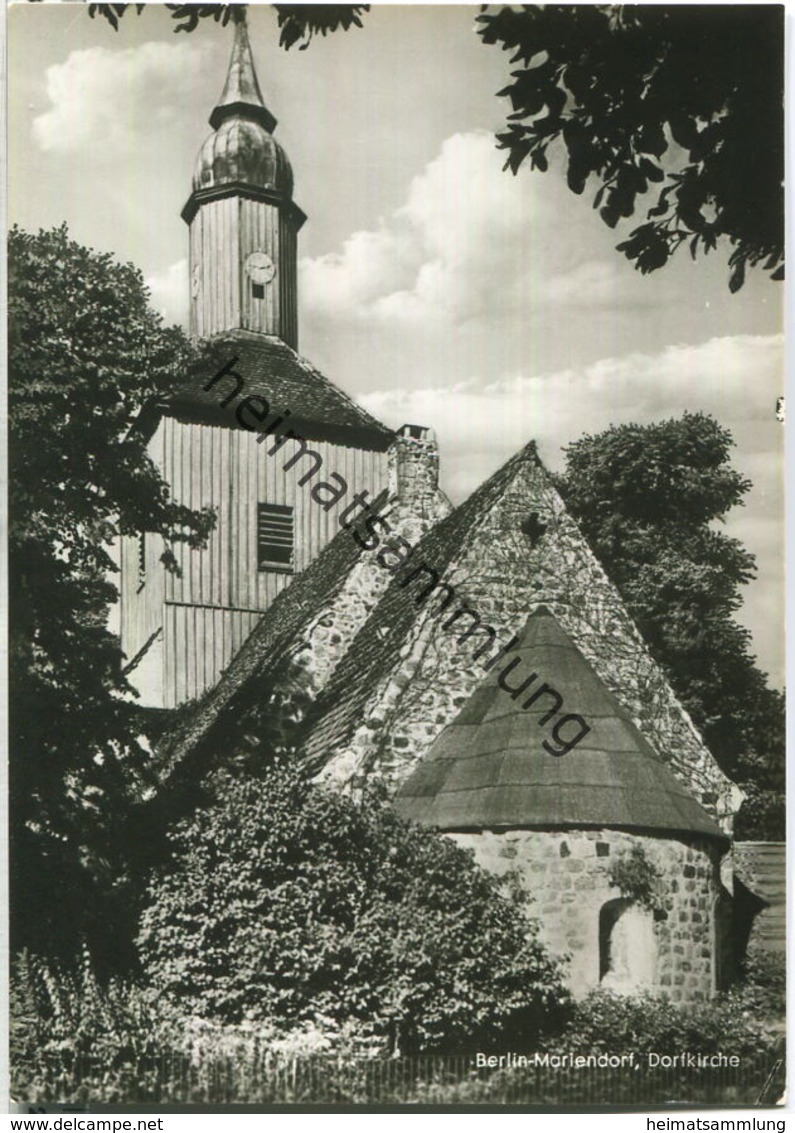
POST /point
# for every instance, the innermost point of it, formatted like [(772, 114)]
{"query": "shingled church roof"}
[(488, 768), (318, 410), (381, 641)]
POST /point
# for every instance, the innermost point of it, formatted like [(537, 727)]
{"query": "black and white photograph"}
[(396, 665)]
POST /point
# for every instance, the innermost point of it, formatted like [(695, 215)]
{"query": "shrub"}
[(65, 1025), (763, 991), (636, 877), (57, 1006), (648, 1023), (294, 905)]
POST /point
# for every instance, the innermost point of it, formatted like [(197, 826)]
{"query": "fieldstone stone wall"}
[(329, 635), (566, 874)]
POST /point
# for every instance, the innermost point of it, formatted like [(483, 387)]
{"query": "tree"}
[(647, 498), (85, 351), (298, 23), (294, 905), (687, 98)]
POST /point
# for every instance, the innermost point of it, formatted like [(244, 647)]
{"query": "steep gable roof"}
[(488, 769), (388, 634), (508, 549), (270, 369)]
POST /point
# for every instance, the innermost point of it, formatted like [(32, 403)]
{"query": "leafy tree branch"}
[(683, 104)]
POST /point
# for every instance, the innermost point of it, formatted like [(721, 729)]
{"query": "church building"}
[(476, 659)]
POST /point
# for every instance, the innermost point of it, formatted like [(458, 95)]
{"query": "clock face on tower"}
[(260, 267)]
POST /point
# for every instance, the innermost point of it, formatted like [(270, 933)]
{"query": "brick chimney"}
[(414, 469)]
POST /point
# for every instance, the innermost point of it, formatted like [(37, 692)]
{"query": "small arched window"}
[(627, 946)]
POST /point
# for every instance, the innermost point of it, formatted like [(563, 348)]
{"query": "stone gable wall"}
[(503, 577)]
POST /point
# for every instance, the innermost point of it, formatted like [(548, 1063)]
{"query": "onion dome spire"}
[(241, 94), (242, 217), (241, 151)]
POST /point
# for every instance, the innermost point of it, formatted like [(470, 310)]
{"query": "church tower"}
[(276, 450), (241, 214)]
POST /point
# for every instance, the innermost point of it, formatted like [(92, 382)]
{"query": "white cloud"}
[(369, 265), (103, 99), (169, 290), (589, 284), (735, 379), (470, 241), (498, 418)]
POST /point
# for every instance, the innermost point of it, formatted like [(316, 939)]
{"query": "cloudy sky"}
[(435, 288)]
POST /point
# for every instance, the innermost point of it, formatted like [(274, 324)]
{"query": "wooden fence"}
[(124, 1078)]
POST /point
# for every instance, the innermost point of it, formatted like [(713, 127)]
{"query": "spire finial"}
[(241, 94)]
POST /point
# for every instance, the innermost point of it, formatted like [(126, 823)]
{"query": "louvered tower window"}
[(275, 533)]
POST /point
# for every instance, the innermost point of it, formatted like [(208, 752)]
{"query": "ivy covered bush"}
[(650, 1023), (286, 903), (637, 878)]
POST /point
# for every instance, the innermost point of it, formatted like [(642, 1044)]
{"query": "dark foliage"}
[(728, 1024), (647, 498), (762, 990), (684, 102), (292, 904), (649, 1023), (637, 878), (85, 351), (298, 23)]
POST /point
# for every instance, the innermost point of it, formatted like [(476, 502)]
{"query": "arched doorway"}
[(627, 946)]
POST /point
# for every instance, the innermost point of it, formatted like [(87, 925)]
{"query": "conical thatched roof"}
[(489, 769)]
